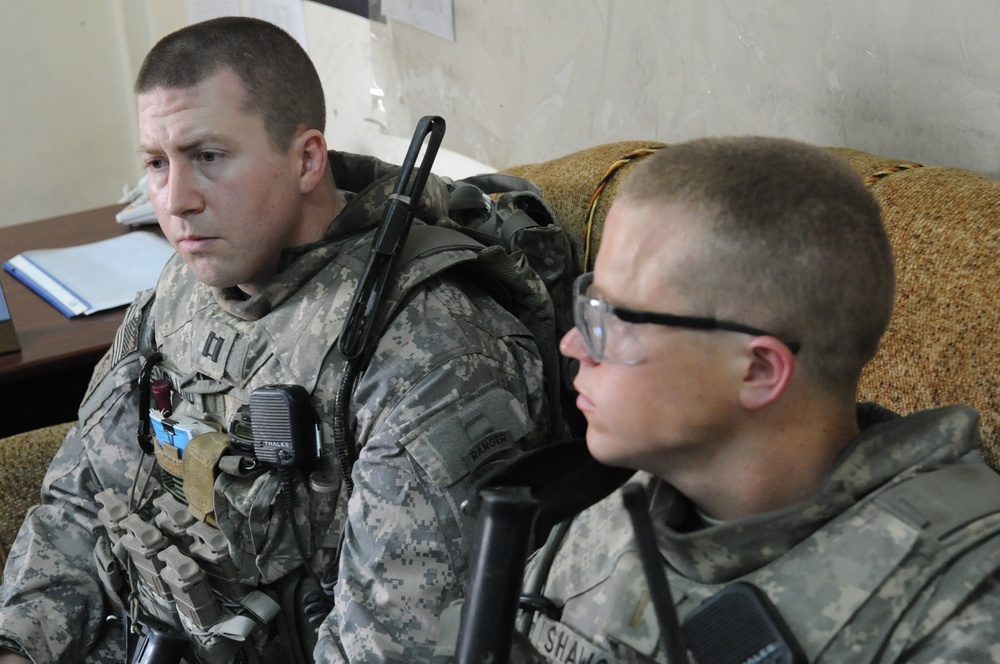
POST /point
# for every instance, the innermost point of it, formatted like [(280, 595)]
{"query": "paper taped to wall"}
[(434, 16)]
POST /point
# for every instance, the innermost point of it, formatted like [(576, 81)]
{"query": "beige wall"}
[(525, 80), (67, 119), (528, 80), (64, 119)]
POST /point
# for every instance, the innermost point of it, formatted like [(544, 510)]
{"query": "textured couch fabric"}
[(23, 460), (943, 344)]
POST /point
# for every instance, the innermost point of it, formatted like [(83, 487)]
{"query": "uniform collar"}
[(888, 449)]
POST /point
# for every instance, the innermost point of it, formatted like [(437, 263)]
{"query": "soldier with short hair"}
[(740, 287), (210, 538)]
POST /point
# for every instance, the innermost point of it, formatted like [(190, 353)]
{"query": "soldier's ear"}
[(310, 148), (769, 369)]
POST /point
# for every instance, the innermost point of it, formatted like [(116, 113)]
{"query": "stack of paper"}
[(93, 277)]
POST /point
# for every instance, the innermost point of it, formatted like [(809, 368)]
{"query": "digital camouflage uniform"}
[(872, 568), (455, 382)]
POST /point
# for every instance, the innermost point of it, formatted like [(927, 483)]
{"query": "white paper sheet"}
[(286, 14), (93, 277), (434, 16)]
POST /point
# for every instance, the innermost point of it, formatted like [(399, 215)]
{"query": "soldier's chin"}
[(207, 274), (604, 448)]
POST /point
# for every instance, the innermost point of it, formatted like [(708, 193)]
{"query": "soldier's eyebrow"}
[(196, 141)]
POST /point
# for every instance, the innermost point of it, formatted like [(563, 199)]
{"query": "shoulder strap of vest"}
[(956, 509), (427, 239), (134, 335), (943, 501), (429, 251)]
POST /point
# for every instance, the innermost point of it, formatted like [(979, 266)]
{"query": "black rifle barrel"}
[(504, 528)]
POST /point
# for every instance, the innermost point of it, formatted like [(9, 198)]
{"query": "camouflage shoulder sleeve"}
[(455, 384), (51, 601)]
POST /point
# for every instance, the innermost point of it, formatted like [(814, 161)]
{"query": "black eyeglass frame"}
[(672, 320)]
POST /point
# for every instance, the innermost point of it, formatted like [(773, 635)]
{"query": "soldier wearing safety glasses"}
[(741, 286)]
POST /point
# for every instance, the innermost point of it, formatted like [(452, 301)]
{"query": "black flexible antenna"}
[(390, 236), (635, 501)]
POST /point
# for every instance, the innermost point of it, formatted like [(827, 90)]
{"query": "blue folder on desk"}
[(93, 277)]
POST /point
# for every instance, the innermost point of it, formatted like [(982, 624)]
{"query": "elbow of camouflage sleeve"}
[(9, 646)]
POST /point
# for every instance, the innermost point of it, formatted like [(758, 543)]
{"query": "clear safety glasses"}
[(609, 334)]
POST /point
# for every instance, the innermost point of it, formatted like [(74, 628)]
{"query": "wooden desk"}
[(44, 383)]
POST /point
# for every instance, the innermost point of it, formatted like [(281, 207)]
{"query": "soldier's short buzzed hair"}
[(281, 82), (793, 243)]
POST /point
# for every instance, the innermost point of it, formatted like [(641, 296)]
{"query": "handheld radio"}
[(284, 426)]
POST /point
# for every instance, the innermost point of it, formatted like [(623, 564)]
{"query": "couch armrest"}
[(24, 458)]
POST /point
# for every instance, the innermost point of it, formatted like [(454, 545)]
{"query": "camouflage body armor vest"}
[(860, 595), (215, 512), (216, 533)]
